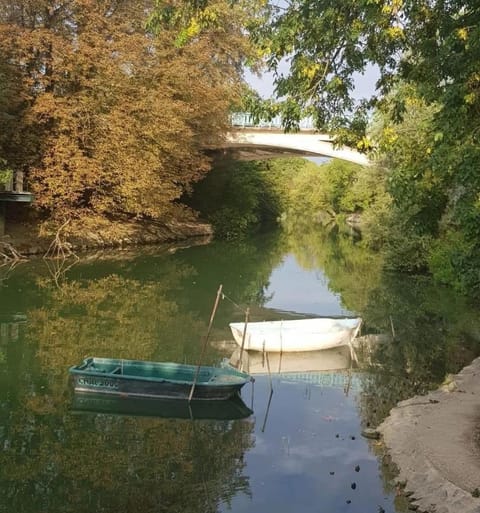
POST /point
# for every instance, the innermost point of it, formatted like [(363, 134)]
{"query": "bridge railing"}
[(246, 120)]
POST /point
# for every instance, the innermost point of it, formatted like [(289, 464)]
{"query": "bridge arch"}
[(259, 143)]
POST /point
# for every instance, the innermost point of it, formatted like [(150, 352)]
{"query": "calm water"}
[(300, 451)]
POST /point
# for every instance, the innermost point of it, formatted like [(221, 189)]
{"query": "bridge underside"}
[(245, 152), (255, 145)]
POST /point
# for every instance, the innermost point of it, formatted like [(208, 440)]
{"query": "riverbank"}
[(30, 239), (433, 440)]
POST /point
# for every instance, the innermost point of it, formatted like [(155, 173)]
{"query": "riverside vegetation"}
[(99, 110)]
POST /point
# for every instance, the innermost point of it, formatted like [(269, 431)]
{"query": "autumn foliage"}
[(104, 115)]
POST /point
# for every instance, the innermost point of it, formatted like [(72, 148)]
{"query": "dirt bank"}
[(433, 440), (30, 239)]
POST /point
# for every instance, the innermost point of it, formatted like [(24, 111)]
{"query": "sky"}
[(364, 84)]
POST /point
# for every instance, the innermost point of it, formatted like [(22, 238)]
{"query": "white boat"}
[(297, 335)]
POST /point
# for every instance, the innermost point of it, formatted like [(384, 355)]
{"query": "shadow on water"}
[(229, 409)]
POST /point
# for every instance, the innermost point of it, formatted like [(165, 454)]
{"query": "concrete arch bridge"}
[(250, 141)]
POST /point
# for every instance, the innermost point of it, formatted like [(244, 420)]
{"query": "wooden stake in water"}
[(247, 314), (393, 329), (217, 300), (269, 373), (353, 354)]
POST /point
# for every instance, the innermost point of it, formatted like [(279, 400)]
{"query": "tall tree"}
[(113, 118), (327, 42)]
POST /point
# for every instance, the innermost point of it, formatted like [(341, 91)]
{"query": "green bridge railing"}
[(246, 120)]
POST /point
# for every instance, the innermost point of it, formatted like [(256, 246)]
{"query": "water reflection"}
[(156, 307), (259, 362), (231, 409), (434, 331)]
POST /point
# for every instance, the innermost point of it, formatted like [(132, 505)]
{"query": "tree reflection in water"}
[(436, 332), (53, 460)]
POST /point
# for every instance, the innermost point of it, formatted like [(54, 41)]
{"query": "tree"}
[(328, 41), (433, 48), (112, 119)]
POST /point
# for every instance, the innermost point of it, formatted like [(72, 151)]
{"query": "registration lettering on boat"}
[(92, 381)]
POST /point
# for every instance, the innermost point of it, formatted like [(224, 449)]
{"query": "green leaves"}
[(326, 42), (6, 173)]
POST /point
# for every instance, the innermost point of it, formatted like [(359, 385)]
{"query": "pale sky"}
[(365, 84)]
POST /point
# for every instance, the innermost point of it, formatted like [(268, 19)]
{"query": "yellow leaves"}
[(470, 98), (193, 29), (208, 18), (395, 32), (389, 136), (393, 7), (462, 34), (364, 144), (263, 51), (310, 70)]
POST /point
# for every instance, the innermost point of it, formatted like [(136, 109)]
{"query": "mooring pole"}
[(247, 315), (217, 300)]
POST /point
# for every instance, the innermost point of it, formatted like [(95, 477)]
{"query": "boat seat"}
[(225, 378)]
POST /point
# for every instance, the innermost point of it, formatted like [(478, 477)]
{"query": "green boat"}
[(136, 378)]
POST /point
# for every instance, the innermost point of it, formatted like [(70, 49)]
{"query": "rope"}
[(224, 296)]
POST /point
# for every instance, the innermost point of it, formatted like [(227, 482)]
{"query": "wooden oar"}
[(217, 300)]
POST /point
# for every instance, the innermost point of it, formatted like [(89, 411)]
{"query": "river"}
[(300, 451)]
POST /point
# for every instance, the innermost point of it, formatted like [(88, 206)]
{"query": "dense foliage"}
[(244, 197), (427, 98), (432, 219), (106, 116)]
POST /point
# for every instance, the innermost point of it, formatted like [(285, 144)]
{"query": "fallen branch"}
[(8, 253), (59, 248), (57, 255)]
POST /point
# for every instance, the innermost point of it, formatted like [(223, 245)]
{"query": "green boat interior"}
[(158, 371)]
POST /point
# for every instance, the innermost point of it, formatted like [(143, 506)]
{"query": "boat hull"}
[(296, 335), (128, 378)]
